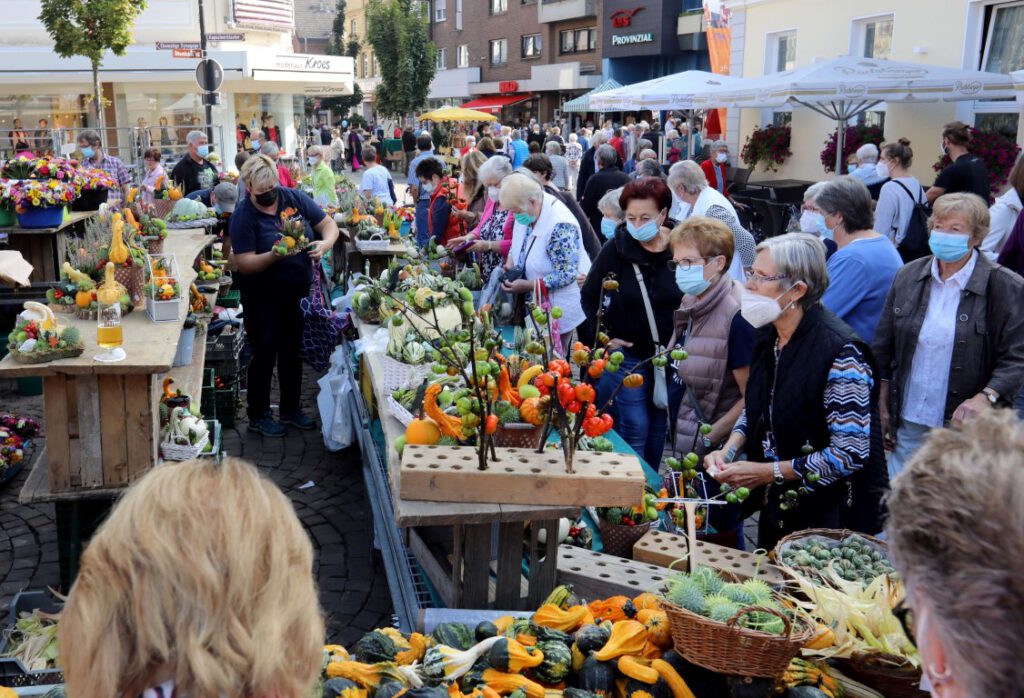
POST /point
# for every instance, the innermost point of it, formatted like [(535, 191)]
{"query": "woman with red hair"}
[(637, 316)]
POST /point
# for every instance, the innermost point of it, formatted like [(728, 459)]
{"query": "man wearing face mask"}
[(951, 333), (638, 316), (714, 168), (194, 171), (93, 155), (962, 608), (867, 161), (272, 286), (609, 176), (810, 427), (966, 172)]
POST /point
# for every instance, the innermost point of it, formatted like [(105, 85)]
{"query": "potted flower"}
[(40, 203), (7, 204), (93, 186), (768, 145), (996, 150), (855, 137)]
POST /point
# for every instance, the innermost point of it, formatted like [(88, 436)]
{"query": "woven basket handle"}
[(751, 609)]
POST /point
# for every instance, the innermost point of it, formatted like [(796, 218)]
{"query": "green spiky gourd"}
[(708, 580), (738, 594), (686, 593), (720, 608), (761, 592)]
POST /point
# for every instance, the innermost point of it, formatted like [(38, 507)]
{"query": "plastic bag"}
[(335, 403)]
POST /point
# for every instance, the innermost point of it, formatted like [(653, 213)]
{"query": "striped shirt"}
[(848, 411)]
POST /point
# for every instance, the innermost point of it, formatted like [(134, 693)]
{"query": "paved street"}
[(335, 512)]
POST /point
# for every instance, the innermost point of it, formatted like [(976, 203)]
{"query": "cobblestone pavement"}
[(334, 510)]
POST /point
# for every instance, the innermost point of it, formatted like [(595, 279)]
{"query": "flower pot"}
[(41, 217), (90, 200), (7, 218)]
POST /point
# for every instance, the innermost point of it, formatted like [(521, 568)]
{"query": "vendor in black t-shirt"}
[(967, 173), (272, 286), (193, 171)]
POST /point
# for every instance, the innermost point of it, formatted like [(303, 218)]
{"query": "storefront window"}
[(60, 111), (163, 120)]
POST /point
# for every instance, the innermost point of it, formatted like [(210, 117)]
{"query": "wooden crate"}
[(598, 575), (662, 549), (521, 476)]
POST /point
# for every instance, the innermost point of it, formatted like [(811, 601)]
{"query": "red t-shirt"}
[(616, 143)]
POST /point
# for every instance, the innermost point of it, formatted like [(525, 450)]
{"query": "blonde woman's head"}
[(520, 193), (961, 212), (259, 174), (202, 575), (470, 166)]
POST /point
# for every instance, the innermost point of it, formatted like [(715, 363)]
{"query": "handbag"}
[(321, 329), (659, 394)]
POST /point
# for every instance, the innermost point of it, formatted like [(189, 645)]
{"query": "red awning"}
[(496, 102)]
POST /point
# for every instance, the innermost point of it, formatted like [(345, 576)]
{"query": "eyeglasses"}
[(684, 264), (905, 615), (751, 275)]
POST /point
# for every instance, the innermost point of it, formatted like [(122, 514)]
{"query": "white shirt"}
[(1004, 214), (925, 402), (375, 180)]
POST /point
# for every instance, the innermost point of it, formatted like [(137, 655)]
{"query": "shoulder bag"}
[(321, 329), (659, 394)]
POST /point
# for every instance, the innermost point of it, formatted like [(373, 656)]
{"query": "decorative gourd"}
[(505, 390), (634, 668), (534, 410), (632, 688), (675, 682), (119, 253), (449, 426), (414, 652), (455, 635), (628, 637), (369, 676), (656, 622), (83, 299), (646, 600), (484, 630), (390, 689), (423, 432), (597, 677), (552, 616), (504, 683), (188, 207), (444, 663), (508, 655), (556, 664), (571, 692), (375, 646), (591, 638), (343, 688), (614, 608)]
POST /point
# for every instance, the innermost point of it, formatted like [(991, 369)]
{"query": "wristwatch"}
[(993, 396), (777, 473)]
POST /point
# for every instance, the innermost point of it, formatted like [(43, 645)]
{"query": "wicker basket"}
[(173, 451), (131, 277), (399, 412), (162, 208), (619, 540), (62, 307), (154, 244), (891, 681), (728, 649), (518, 435), (835, 534)]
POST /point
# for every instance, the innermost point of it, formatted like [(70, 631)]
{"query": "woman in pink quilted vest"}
[(719, 343)]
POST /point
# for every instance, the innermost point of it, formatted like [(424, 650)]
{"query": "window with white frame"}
[(458, 15), (1003, 52), (578, 40), (531, 46), (499, 51), (440, 10), (499, 7), (462, 56), (872, 37), (366, 65), (780, 52), (376, 67), (442, 58)]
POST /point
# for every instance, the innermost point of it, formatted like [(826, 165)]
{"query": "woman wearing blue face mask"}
[(708, 324), (611, 212), (638, 318), (950, 343)]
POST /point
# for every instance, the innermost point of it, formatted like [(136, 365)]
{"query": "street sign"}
[(211, 99), (171, 45), (187, 53), (209, 75), (235, 36)]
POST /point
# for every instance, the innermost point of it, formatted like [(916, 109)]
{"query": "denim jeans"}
[(637, 420), (422, 226), (909, 438)]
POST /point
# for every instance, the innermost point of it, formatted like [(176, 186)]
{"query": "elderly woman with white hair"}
[(714, 167), (284, 175), (492, 236), (272, 286), (547, 251), (867, 161), (559, 165), (612, 214), (573, 157), (194, 171), (812, 219), (809, 427), (687, 181)]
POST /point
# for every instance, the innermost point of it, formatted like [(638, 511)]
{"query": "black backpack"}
[(915, 240)]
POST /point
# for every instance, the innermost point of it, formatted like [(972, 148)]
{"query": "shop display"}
[(38, 338)]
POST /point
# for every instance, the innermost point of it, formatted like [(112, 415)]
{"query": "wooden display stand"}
[(521, 475), (596, 575), (663, 549), (43, 248), (472, 552)]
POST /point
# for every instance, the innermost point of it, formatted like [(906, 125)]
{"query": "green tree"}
[(337, 45), (352, 50), (398, 32), (90, 28)]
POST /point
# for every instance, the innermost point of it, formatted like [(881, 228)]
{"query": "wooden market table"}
[(458, 544), (43, 248)]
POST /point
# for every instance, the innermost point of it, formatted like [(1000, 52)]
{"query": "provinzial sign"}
[(172, 45), (625, 39)]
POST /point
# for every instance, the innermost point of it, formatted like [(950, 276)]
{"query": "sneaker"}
[(298, 420), (267, 427)]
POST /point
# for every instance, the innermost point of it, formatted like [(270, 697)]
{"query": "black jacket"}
[(188, 172), (587, 169), (591, 243), (797, 417), (408, 141), (600, 184), (624, 314), (537, 138)]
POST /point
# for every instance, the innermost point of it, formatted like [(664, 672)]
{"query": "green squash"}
[(550, 635), (375, 647), (342, 688), (591, 638), (597, 677), (571, 692), (455, 635), (557, 662), (485, 629), (389, 689), (475, 676)]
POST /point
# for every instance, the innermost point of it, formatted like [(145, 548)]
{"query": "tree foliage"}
[(337, 45), (398, 32), (90, 28), (344, 103), (352, 50)]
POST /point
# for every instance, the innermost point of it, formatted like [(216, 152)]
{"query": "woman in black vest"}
[(810, 425)]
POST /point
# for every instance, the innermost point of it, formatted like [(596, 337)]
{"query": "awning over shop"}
[(497, 102), (582, 103)]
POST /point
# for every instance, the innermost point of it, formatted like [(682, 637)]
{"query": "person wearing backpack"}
[(862, 269), (901, 214)]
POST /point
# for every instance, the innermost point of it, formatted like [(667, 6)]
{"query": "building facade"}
[(367, 69), (775, 35), (152, 91), (651, 39)]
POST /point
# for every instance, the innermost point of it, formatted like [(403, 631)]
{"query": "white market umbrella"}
[(843, 87), (677, 91)]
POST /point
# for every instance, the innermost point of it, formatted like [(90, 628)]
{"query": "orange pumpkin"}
[(656, 623), (534, 410), (422, 432), (83, 299), (646, 600)]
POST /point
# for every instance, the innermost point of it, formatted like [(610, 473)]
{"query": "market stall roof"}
[(841, 88), (498, 101), (456, 114), (582, 103), (677, 91)]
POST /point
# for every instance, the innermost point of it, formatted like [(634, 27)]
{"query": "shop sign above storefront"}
[(508, 86), (633, 30), (623, 39)]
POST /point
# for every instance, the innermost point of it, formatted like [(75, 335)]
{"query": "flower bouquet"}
[(40, 202), (7, 203), (291, 234), (92, 186), (37, 338), (15, 437)]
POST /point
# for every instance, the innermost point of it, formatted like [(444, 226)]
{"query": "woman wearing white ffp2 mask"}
[(715, 167), (807, 366)]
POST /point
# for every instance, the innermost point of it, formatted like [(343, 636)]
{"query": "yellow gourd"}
[(628, 637), (119, 253), (551, 616)]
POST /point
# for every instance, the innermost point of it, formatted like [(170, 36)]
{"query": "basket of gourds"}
[(128, 269)]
